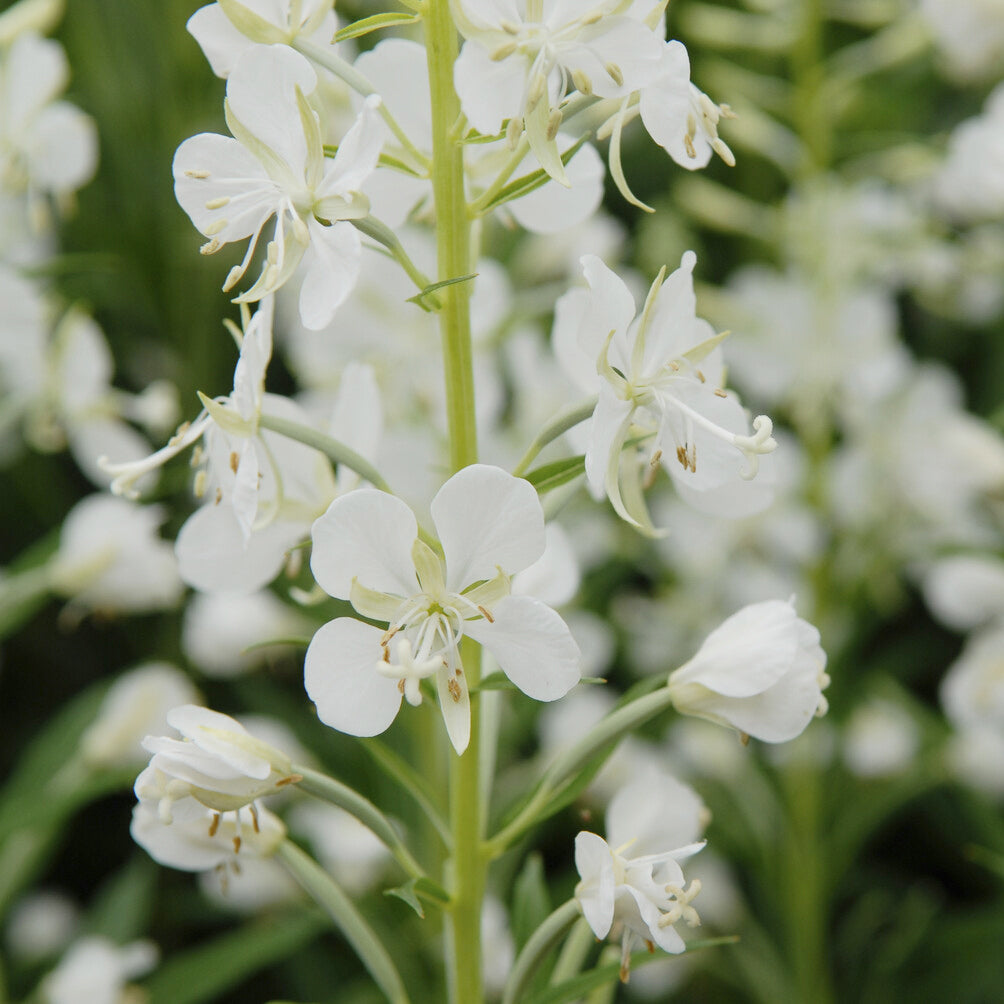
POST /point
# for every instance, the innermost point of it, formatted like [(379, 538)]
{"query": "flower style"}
[(521, 59), (681, 118), (367, 550), (658, 376), (275, 167), (218, 763), (643, 896), (761, 672), (226, 30)]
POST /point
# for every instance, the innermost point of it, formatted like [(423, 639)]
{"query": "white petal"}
[(486, 520), (532, 645), (357, 153), (396, 67), (751, 651), (332, 268), (552, 207), (456, 708), (607, 433), (220, 41), (489, 91), (368, 535), (208, 168), (339, 674), (212, 555), (595, 893), (261, 92), (63, 148)]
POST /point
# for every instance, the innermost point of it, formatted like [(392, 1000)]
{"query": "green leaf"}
[(122, 908), (531, 903), (547, 477), (203, 973), (528, 183), (417, 889), (374, 23), (422, 296)]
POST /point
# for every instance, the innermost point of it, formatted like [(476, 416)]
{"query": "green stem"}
[(558, 426), (807, 70), (327, 788), (382, 234), (316, 881)]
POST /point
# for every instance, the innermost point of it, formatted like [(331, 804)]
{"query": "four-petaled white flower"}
[(658, 377), (367, 550), (275, 167), (761, 672), (522, 57), (644, 895)]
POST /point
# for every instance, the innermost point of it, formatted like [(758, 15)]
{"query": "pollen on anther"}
[(210, 247), (700, 376), (291, 779), (196, 174), (234, 461), (218, 203), (720, 393), (400, 685), (487, 616), (454, 688), (254, 817), (215, 824), (237, 845)]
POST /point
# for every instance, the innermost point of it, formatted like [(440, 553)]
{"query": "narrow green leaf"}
[(528, 183), (421, 296), (203, 973), (374, 23), (122, 908)]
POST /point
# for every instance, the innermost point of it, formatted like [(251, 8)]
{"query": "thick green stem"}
[(453, 234), (467, 866)]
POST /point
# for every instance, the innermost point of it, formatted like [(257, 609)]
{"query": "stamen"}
[(582, 82), (720, 393), (487, 616), (615, 73), (292, 779), (210, 247), (215, 824), (254, 817), (503, 52), (234, 462), (196, 174), (215, 227), (454, 688), (218, 203), (237, 845)]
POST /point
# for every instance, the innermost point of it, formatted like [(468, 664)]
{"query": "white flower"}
[(40, 925), (681, 118), (522, 58), (97, 970), (110, 558), (762, 672), (199, 839), (367, 550), (136, 705), (881, 738), (46, 146), (218, 763), (658, 375), (225, 31), (641, 896), (224, 633), (972, 691), (276, 167), (966, 591)]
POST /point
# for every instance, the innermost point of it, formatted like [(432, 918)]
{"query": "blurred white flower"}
[(969, 35), (965, 591), (41, 924), (762, 673), (136, 705), (880, 738), (97, 971), (111, 560), (46, 146), (223, 632)]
